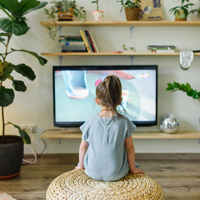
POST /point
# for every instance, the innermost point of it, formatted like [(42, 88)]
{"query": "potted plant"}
[(181, 12), (132, 9), (11, 147), (64, 10), (97, 14), (185, 88)]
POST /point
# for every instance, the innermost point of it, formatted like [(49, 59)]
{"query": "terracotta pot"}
[(180, 16), (98, 15), (66, 16), (132, 14)]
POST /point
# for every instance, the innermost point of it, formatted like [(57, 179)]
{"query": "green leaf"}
[(41, 60), (6, 96), (41, 5), (25, 71), (190, 93), (6, 73), (5, 34), (2, 39), (15, 27), (26, 138), (9, 5), (176, 84), (19, 86), (188, 86)]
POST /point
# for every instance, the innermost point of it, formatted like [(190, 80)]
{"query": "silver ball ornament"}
[(169, 123)]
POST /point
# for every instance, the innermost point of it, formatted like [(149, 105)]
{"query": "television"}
[(74, 92)]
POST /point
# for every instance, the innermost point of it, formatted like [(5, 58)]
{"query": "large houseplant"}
[(64, 10), (184, 88), (11, 147), (132, 9), (181, 12)]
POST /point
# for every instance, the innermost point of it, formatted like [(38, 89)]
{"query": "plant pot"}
[(11, 155), (132, 14), (98, 15), (66, 16), (180, 16)]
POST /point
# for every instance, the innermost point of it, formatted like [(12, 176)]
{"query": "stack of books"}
[(162, 48), (72, 44), (89, 41)]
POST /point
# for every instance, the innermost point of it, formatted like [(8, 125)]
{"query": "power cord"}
[(37, 156)]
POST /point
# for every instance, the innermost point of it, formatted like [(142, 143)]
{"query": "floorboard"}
[(178, 175)]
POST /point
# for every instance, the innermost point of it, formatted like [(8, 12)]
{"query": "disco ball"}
[(169, 123)]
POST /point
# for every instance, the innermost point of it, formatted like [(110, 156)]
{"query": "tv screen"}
[(74, 91)]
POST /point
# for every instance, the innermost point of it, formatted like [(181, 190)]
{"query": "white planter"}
[(98, 15)]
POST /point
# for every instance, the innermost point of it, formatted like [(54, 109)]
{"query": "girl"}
[(106, 151)]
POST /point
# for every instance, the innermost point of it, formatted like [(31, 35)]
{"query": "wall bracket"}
[(60, 59), (131, 30), (131, 58), (198, 140), (59, 30), (59, 140)]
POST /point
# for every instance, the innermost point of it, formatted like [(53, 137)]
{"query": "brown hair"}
[(109, 93)]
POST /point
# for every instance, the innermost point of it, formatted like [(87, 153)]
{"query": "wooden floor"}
[(178, 175)]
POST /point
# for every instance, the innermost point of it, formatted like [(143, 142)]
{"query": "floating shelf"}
[(113, 54), (121, 23), (75, 133)]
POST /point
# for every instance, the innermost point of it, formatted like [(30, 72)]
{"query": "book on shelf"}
[(66, 38), (73, 47), (71, 51), (72, 43), (162, 51), (161, 47), (85, 41), (94, 43)]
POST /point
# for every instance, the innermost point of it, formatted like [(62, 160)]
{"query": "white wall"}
[(35, 106)]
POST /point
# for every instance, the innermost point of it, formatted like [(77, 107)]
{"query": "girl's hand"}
[(136, 171), (79, 167)]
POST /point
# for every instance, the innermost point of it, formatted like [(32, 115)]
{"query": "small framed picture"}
[(128, 48)]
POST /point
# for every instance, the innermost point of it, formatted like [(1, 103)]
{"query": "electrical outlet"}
[(29, 128), (23, 127)]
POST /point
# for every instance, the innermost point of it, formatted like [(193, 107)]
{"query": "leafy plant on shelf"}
[(97, 3), (15, 24), (63, 6), (184, 7), (185, 88), (129, 4)]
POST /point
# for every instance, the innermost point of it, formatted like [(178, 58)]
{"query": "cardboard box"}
[(151, 10)]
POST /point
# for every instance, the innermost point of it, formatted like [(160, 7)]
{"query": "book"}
[(162, 51), (97, 50), (161, 47), (66, 38), (73, 47), (89, 40), (73, 51), (72, 43), (85, 41), (92, 43)]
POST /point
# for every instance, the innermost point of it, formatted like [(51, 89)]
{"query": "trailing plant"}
[(185, 88), (15, 24), (130, 4), (63, 6), (183, 7), (97, 3)]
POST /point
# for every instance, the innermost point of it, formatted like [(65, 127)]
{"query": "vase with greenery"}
[(97, 14), (15, 24), (63, 10), (184, 88), (181, 12), (132, 9)]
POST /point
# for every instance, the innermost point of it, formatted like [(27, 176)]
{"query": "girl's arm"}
[(130, 150), (82, 151)]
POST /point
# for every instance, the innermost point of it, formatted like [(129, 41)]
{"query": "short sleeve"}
[(85, 130), (130, 128)]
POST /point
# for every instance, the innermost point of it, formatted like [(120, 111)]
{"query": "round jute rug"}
[(77, 185)]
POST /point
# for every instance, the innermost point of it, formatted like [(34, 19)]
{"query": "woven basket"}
[(66, 16), (132, 14), (75, 185)]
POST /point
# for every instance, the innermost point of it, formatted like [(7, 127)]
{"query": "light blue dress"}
[(106, 157)]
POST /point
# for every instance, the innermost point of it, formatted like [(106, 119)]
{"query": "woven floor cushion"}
[(77, 185)]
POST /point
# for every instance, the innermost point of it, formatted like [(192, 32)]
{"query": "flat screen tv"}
[(74, 90)]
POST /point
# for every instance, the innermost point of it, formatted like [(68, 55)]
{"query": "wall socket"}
[(29, 128)]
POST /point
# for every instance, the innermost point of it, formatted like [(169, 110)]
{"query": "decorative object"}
[(76, 184), (185, 88), (4, 196), (181, 12), (65, 10), (97, 14), (128, 48), (11, 147), (132, 9), (169, 123), (186, 58)]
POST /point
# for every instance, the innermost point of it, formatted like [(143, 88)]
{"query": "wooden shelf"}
[(113, 54), (75, 133), (121, 23)]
